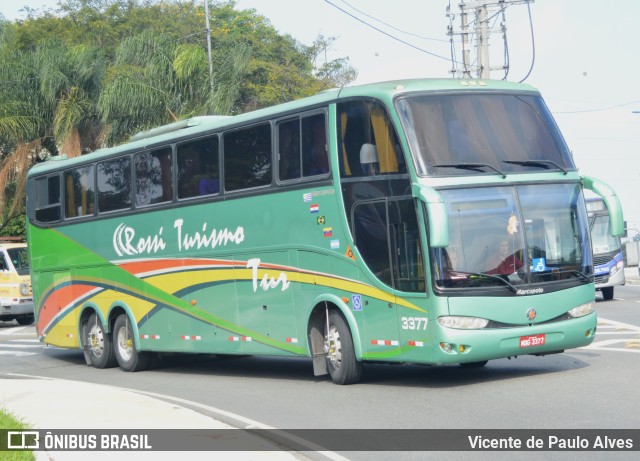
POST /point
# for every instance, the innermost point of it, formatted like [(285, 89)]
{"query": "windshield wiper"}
[(490, 276), (540, 163), (469, 166), (577, 273)]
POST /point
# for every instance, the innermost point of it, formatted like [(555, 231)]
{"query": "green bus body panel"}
[(195, 284)]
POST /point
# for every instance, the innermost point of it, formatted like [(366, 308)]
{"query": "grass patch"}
[(8, 421)]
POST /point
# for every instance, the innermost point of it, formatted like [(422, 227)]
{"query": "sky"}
[(584, 60)]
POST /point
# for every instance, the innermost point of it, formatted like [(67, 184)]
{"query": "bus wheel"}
[(98, 344), (474, 364), (128, 358), (607, 293), (341, 358)]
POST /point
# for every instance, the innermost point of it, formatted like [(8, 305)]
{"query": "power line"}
[(391, 26), (386, 33), (533, 44), (600, 109)]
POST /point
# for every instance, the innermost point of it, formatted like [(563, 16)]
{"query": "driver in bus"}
[(506, 261)]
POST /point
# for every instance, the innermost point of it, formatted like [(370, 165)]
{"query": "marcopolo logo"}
[(531, 291)]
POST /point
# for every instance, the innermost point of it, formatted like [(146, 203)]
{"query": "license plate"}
[(532, 340)]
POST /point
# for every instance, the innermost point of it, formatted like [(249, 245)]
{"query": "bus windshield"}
[(601, 238), (453, 134), (20, 260), (512, 236)]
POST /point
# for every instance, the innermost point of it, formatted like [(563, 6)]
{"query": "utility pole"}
[(464, 33), (481, 31), (483, 40), (208, 29)]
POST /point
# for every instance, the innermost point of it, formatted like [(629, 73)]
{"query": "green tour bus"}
[(427, 221)]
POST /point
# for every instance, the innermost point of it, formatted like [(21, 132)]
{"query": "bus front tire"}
[(129, 359), (341, 358), (97, 343), (607, 293)]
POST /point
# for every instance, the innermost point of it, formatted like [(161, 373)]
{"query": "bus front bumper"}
[(465, 346)]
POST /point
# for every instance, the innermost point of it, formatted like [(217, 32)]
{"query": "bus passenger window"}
[(289, 150), (198, 172), (48, 199), (362, 124), (247, 157), (79, 192), (153, 177), (114, 184), (314, 146)]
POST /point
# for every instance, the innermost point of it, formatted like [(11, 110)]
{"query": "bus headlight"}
[(462, 323), (582, 310), (24, 289), (616, 268)]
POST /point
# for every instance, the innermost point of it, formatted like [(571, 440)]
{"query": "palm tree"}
[(155, 81), (47, 107)]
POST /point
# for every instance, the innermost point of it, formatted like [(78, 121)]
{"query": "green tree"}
[(336, 72), (48, 100), (93, 72), (154, 81)]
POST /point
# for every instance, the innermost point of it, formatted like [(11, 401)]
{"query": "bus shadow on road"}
[(447, 376), (300, 369)]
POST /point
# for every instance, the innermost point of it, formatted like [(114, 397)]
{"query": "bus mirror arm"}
[(437, 217), (611, 200)]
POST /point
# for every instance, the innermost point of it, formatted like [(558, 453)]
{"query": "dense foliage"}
[(91, 73)]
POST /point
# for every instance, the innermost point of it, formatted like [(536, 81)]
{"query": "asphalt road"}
[(589, 388)]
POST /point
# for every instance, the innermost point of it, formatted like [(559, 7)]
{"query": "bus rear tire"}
[(97, 344), (607, 293), (341, 358), (129, 359)]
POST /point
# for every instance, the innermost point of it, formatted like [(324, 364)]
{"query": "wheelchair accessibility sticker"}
[(357, 302), (538, 265)]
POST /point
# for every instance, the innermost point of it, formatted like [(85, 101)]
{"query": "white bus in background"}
[(608, 263), (16, 301)]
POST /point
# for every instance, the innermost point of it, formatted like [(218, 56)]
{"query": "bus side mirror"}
[(616, 219), (436, 214)]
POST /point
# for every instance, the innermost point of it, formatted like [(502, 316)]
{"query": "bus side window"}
[(247, 157), (314, 146), (48, 199), (3, 265), (289, 150), (368, 142), (114, 184), (153, 177), (198, 171), (80, 195)]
